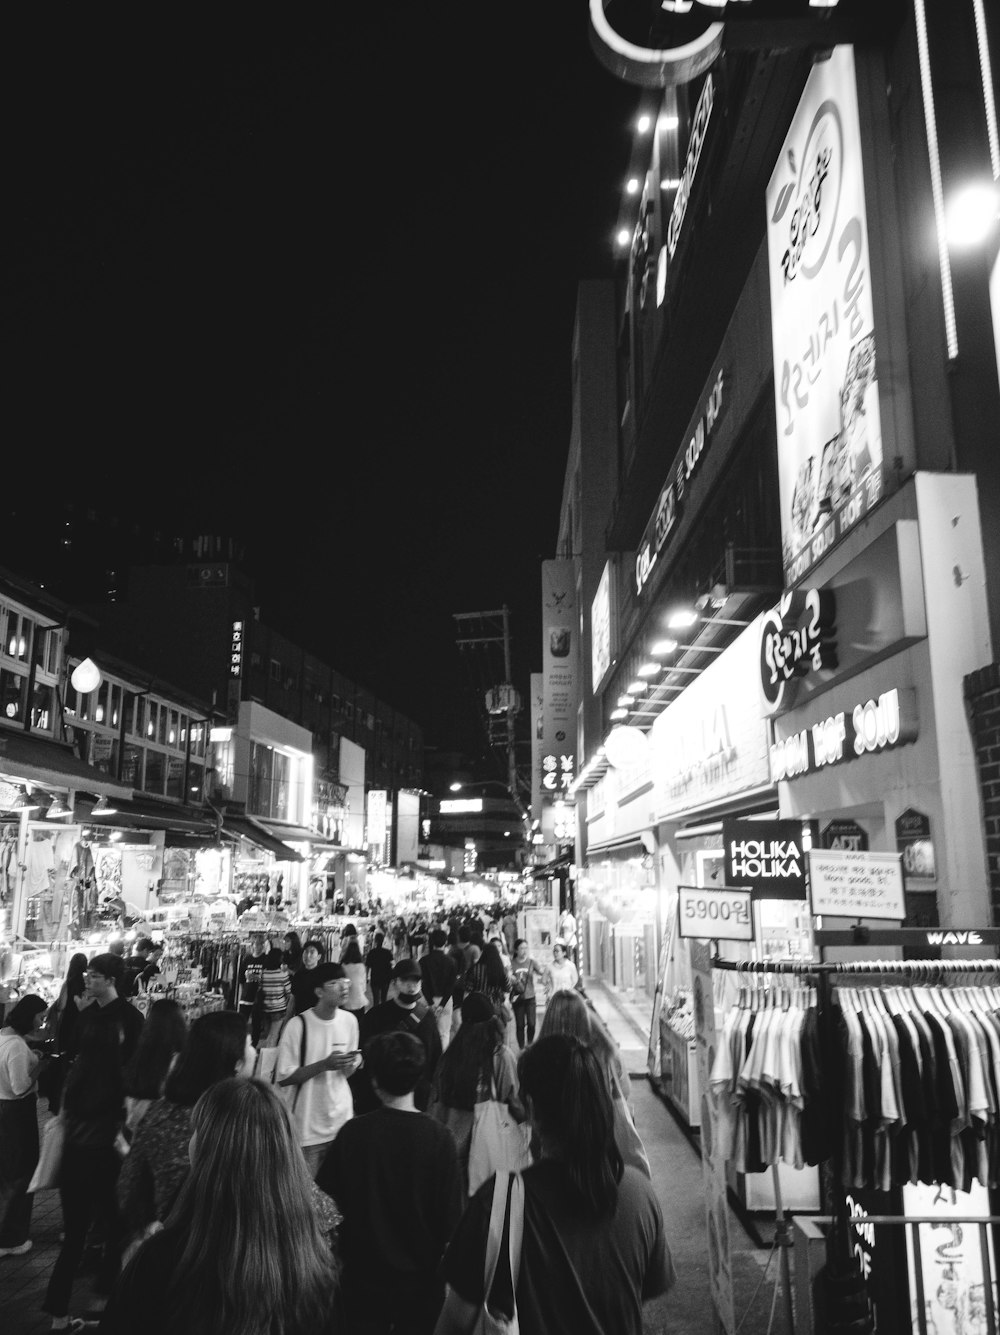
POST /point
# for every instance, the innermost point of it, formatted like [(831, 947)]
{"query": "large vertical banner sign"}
[(560, 678), (537, 730), (830, 466)]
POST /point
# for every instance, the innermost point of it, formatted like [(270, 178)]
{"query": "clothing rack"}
[(823, 974)]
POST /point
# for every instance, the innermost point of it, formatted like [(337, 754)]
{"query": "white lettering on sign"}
[(236, 650), (754, 859), (699, 126), (954, 939), (871, 727), (796, 639), (664, 518), (876, 724)]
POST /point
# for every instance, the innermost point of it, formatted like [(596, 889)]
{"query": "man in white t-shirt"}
[(317, 1052)]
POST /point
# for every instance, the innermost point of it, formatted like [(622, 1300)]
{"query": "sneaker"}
[(17, 1251)]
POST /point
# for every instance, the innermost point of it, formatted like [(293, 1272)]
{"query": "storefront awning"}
[(554, 868), (144, 815), (245, 827), (29, 759), (297, 834), (619, 845)]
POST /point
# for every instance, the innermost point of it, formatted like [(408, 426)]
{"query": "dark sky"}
[(314, 286)]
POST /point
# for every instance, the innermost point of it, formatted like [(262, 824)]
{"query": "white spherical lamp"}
[(625, 746), (85, 677)]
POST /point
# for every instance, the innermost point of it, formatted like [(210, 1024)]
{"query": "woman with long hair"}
[(18, 1123), (569, 1013), (292, 953), (241, 1250), (61, 1020), (93, 1113), (354, 967), (160, 1041), (476, 1065), (486, 973), (217, 1048), (593, 1248)]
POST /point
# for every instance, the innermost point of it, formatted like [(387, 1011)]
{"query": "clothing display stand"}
[(823, 975)]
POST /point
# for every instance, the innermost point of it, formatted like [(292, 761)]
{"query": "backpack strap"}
[(302, 1058)]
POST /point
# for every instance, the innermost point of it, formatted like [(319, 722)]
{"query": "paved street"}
[(676, 1174)]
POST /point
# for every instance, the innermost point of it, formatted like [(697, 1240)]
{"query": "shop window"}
[(174, 729), (195, 784), (117, 703), (275, 670), (162, 724), (42, 708), (151, 712), (18, 637), (175, 777), (132, 766), (4, 618), (155, 772), (13, 689), (102, 714)]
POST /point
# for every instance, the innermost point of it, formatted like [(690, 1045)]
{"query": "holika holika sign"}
[(830, 465), (765, 857)]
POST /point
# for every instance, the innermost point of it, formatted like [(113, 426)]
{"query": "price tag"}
[(716, 915)]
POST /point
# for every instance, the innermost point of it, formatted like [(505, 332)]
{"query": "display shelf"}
[(679, 1073)]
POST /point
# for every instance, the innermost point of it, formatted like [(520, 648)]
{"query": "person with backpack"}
[(317, 1053)]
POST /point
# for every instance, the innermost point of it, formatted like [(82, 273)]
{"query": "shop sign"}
[(685, 37), (600, 630), (953, 1278), (714, 915), (561, 667), (236, 650), (558, 773), (846, 835), (856, 885), (712, 742), (876, 725), (766, 857), (830, 466), (797, 638), (913, 840), (699, 127), (670, 500)]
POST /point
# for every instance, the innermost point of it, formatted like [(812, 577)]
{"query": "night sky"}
[(314, 287)]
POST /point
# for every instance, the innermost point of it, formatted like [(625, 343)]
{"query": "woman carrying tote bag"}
[(593, 1248)]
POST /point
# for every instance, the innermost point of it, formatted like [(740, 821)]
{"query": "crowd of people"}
[(312, 1159)]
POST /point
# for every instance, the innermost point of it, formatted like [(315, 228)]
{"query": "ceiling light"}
[(648, 669), (102, 807), (23, 802), (682, 619), (643, 124), (58, 809), (633, 185), (638, 687), (667, 123), (624, 236), (624, 701), (618, 713), (663, 647)]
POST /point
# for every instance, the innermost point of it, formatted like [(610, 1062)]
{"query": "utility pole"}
[(503, 702)]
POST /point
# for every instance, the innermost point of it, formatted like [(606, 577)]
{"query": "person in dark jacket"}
[(439, 977), (378, 962), (407, 1011)]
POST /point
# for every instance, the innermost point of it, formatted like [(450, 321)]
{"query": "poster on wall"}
[(560, 676), (830, 462)]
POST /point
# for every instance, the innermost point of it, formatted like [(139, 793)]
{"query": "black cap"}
[(406, 968)]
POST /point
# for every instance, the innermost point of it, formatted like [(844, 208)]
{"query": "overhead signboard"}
[(830, 465), (847, 884), (867, 728)]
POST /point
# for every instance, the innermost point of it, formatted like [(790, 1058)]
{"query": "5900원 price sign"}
[(714, 915)]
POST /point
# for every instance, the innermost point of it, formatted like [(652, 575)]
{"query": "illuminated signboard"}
[(796, 638), (875, 725), (236, 650), (668, 504)]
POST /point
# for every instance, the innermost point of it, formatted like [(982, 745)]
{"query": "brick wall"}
[(982, 697)]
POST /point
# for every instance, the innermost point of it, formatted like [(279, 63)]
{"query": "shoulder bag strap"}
[(302, 1057), (495, 1236), (516, 1234)]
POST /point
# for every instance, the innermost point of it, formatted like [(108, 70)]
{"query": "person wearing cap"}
[(317, 1054), (408, 1011)]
